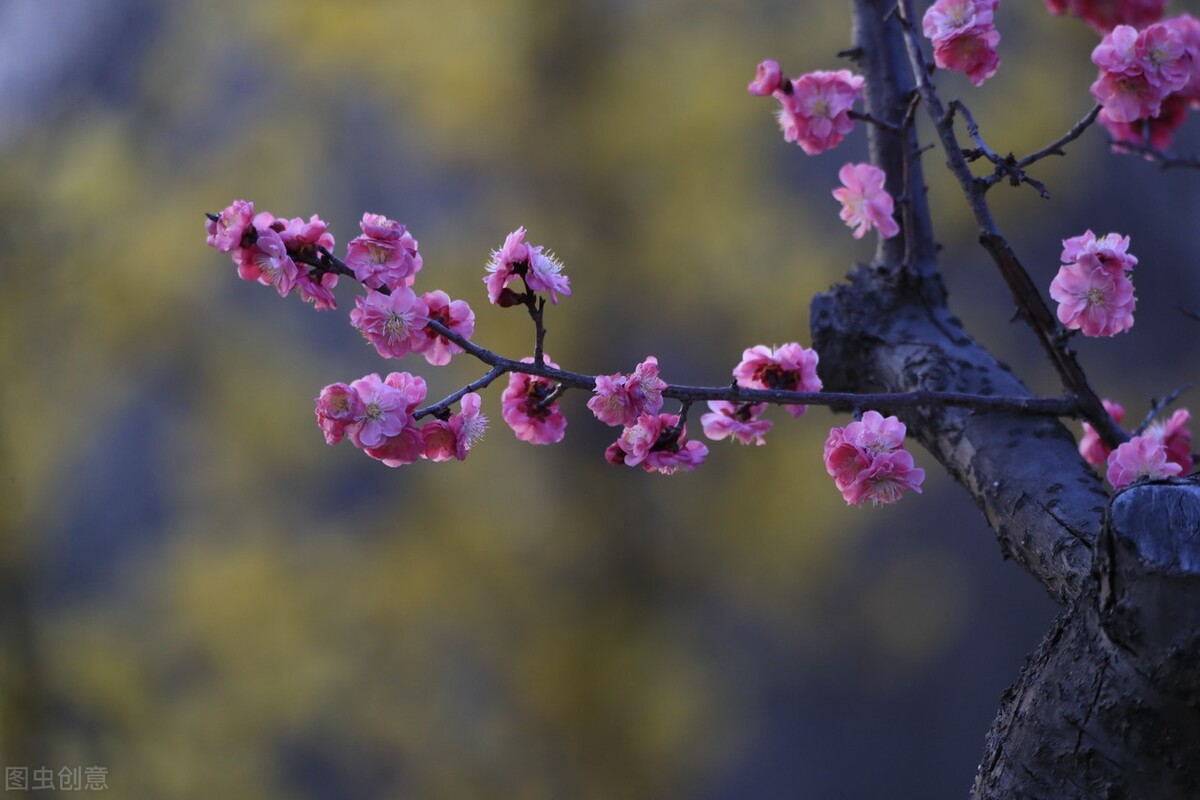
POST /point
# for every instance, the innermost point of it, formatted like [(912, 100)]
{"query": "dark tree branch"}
[(1107, 706), (888, 329), (1028, 299)]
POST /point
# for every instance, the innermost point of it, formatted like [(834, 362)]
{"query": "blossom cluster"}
[(1164, 449), (964, 37), (265, 249), (377, 416), (380, 415), (867, 460), (1104, 15), (1148, 79), (1093, 288), (292, 254)]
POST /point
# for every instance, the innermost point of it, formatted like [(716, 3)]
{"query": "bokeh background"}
[(199, 595)]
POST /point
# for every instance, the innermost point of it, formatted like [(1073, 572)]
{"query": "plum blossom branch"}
[(1030, 305), (443, 406), (1064, 406)]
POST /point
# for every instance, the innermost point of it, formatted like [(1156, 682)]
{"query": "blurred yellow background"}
[(201, 596)]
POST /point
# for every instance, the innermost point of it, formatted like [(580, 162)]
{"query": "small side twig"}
[(1158, 407)]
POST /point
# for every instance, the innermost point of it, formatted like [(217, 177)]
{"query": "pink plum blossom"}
[(738, 421), (657, 443), (768, 79), (964, 37), (394, 323), (621, 399), (1104, 15), (789, 367), (455, 315), (545, 275), (390, 260), (1091, 446), (453, 438), (226, 231), (267, 262), (337, 407), (539, 269), (816, 114), (1093, 300), (386, 408), (406, 445), (867, 460), (1140, 457), (1176, 438), (523, 406), (865, 203), (503, 267)]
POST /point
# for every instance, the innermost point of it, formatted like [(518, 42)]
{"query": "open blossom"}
[(267, 262), (1140, 457), (738, 421), (386, 407), (867, 460), (523, 406), (621, 399), (539, 269), (789, 367), (865, 203), (964, 37), (453, 438), (407, 444), (1104, 15), (1093, 289), (816, 113), (657, 443), (394, 323), (226, 231), (385, 255), (1091, 446), (1092, 300), (455, 315)]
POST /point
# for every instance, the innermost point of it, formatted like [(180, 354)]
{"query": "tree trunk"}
[(1109, 704)]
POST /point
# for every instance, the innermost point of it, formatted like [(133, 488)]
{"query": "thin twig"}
[(1157, 408), (1055, 148)]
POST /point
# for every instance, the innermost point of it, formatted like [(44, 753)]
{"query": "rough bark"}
[(1109, 704)]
